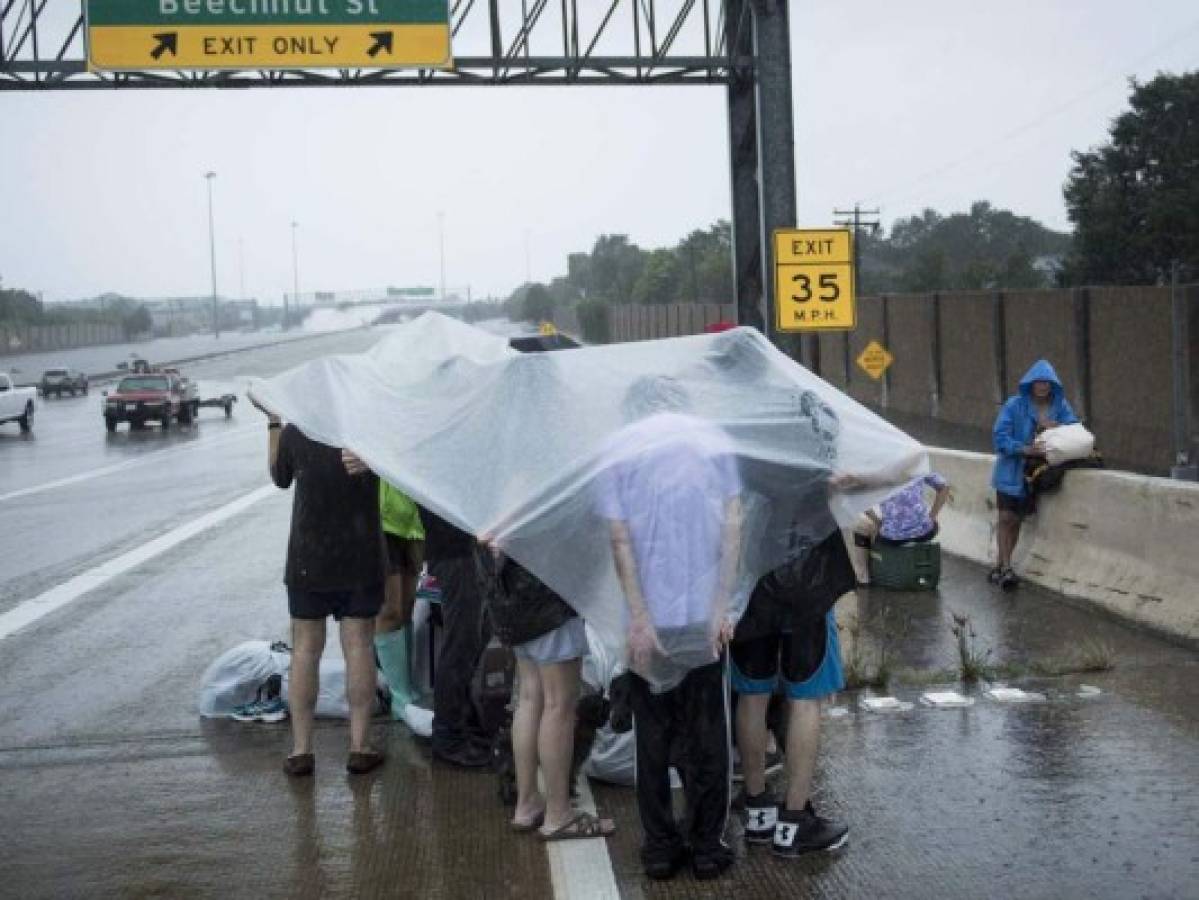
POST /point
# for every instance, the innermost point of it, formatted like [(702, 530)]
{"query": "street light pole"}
[(216, 320), (295, 273), (441, 250)]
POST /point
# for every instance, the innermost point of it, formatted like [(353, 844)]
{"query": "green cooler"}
[(905, 567)]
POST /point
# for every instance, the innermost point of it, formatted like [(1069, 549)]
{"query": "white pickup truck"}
[(16, 403)]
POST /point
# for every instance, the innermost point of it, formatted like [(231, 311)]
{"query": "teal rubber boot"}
[(392, 649)]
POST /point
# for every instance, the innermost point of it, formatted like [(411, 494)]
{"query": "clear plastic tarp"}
[(692, 465)]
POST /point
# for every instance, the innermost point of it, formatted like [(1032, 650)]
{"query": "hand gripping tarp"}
[(679, 445)]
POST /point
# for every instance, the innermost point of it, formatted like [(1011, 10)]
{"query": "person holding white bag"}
[(1039, 406)]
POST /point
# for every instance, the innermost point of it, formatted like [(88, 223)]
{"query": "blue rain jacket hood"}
[(1016, 427)]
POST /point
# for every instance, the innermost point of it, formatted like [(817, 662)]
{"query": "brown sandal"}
[(363, 761), (300, 765), (584, 825)]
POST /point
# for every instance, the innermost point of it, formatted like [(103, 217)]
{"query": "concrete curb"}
[(1122, 542)]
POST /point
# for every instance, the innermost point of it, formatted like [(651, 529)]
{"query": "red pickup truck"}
[(154, 396)]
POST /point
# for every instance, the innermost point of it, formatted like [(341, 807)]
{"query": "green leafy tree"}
[(985, 248), (659, 279), (17, 305), (1134, 201), (538, 304), (137, 321)]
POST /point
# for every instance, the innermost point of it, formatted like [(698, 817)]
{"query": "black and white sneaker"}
[(995, 575), (1009, 580), (804, 831), (761, 817)]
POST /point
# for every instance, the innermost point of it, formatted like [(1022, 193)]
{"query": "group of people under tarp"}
[(672, 493), (670, 489)]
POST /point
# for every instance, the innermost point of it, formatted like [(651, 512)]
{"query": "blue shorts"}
[(808, 661)]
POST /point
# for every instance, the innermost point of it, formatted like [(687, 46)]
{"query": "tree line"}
[(20, 307)]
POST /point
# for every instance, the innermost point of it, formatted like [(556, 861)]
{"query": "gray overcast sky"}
[(926, 103)]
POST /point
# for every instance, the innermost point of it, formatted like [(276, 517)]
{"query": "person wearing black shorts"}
[(334, 568), (788, 638)]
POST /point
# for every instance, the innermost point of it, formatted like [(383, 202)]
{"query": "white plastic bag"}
[(331, 700), (1066, 443), (235, 676)]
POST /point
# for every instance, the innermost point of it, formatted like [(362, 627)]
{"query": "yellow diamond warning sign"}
[(875, 360), (813, 279)]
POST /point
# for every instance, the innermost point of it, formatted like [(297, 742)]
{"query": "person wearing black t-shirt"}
[(334, 568), (458, 735)]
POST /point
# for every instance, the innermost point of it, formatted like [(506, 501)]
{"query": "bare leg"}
[(751, 740), (525, 724), (555, 738), (358, 649), (803, 744), (308, 642), (399, 598), (1007, 535)]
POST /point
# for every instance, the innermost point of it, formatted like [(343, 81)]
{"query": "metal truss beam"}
[(497, 43)]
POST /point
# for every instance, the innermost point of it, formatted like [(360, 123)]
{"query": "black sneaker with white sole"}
[(804, 831), (761, 817)]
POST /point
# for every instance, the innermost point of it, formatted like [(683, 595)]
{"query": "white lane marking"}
[(29, 611), (582, 869), (128, 464)]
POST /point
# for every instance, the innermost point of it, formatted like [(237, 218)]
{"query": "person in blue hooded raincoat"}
[(1039, 405)]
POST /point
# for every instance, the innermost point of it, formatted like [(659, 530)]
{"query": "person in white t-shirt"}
[(670, 490)]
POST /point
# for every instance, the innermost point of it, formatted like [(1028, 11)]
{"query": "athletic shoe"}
[(774, 765), (761, 817), (995, 575), (269, 711), (804, 831), (1009, 581)]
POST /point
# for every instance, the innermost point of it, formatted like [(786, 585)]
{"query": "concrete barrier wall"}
[(17, 339), (1124, 542), (1130, 373), (644, 323), (959, 355)]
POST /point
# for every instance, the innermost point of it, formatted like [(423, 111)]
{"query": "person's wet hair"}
[(820, 426), (652, 394), (738, 354)]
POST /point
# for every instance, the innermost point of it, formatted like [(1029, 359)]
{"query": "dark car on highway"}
[(155, 397), (60, 381)]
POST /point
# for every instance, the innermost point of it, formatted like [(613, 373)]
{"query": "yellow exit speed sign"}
[(813, 279)]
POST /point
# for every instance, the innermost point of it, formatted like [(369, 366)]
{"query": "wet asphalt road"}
[(110, 784)]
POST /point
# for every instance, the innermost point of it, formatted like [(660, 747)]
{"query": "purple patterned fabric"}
[(905, 514)]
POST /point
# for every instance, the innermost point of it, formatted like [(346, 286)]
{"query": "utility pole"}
[(295, 274), (241, 268), (528, 268), (441, 250), (216, 319), (857, 218)]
